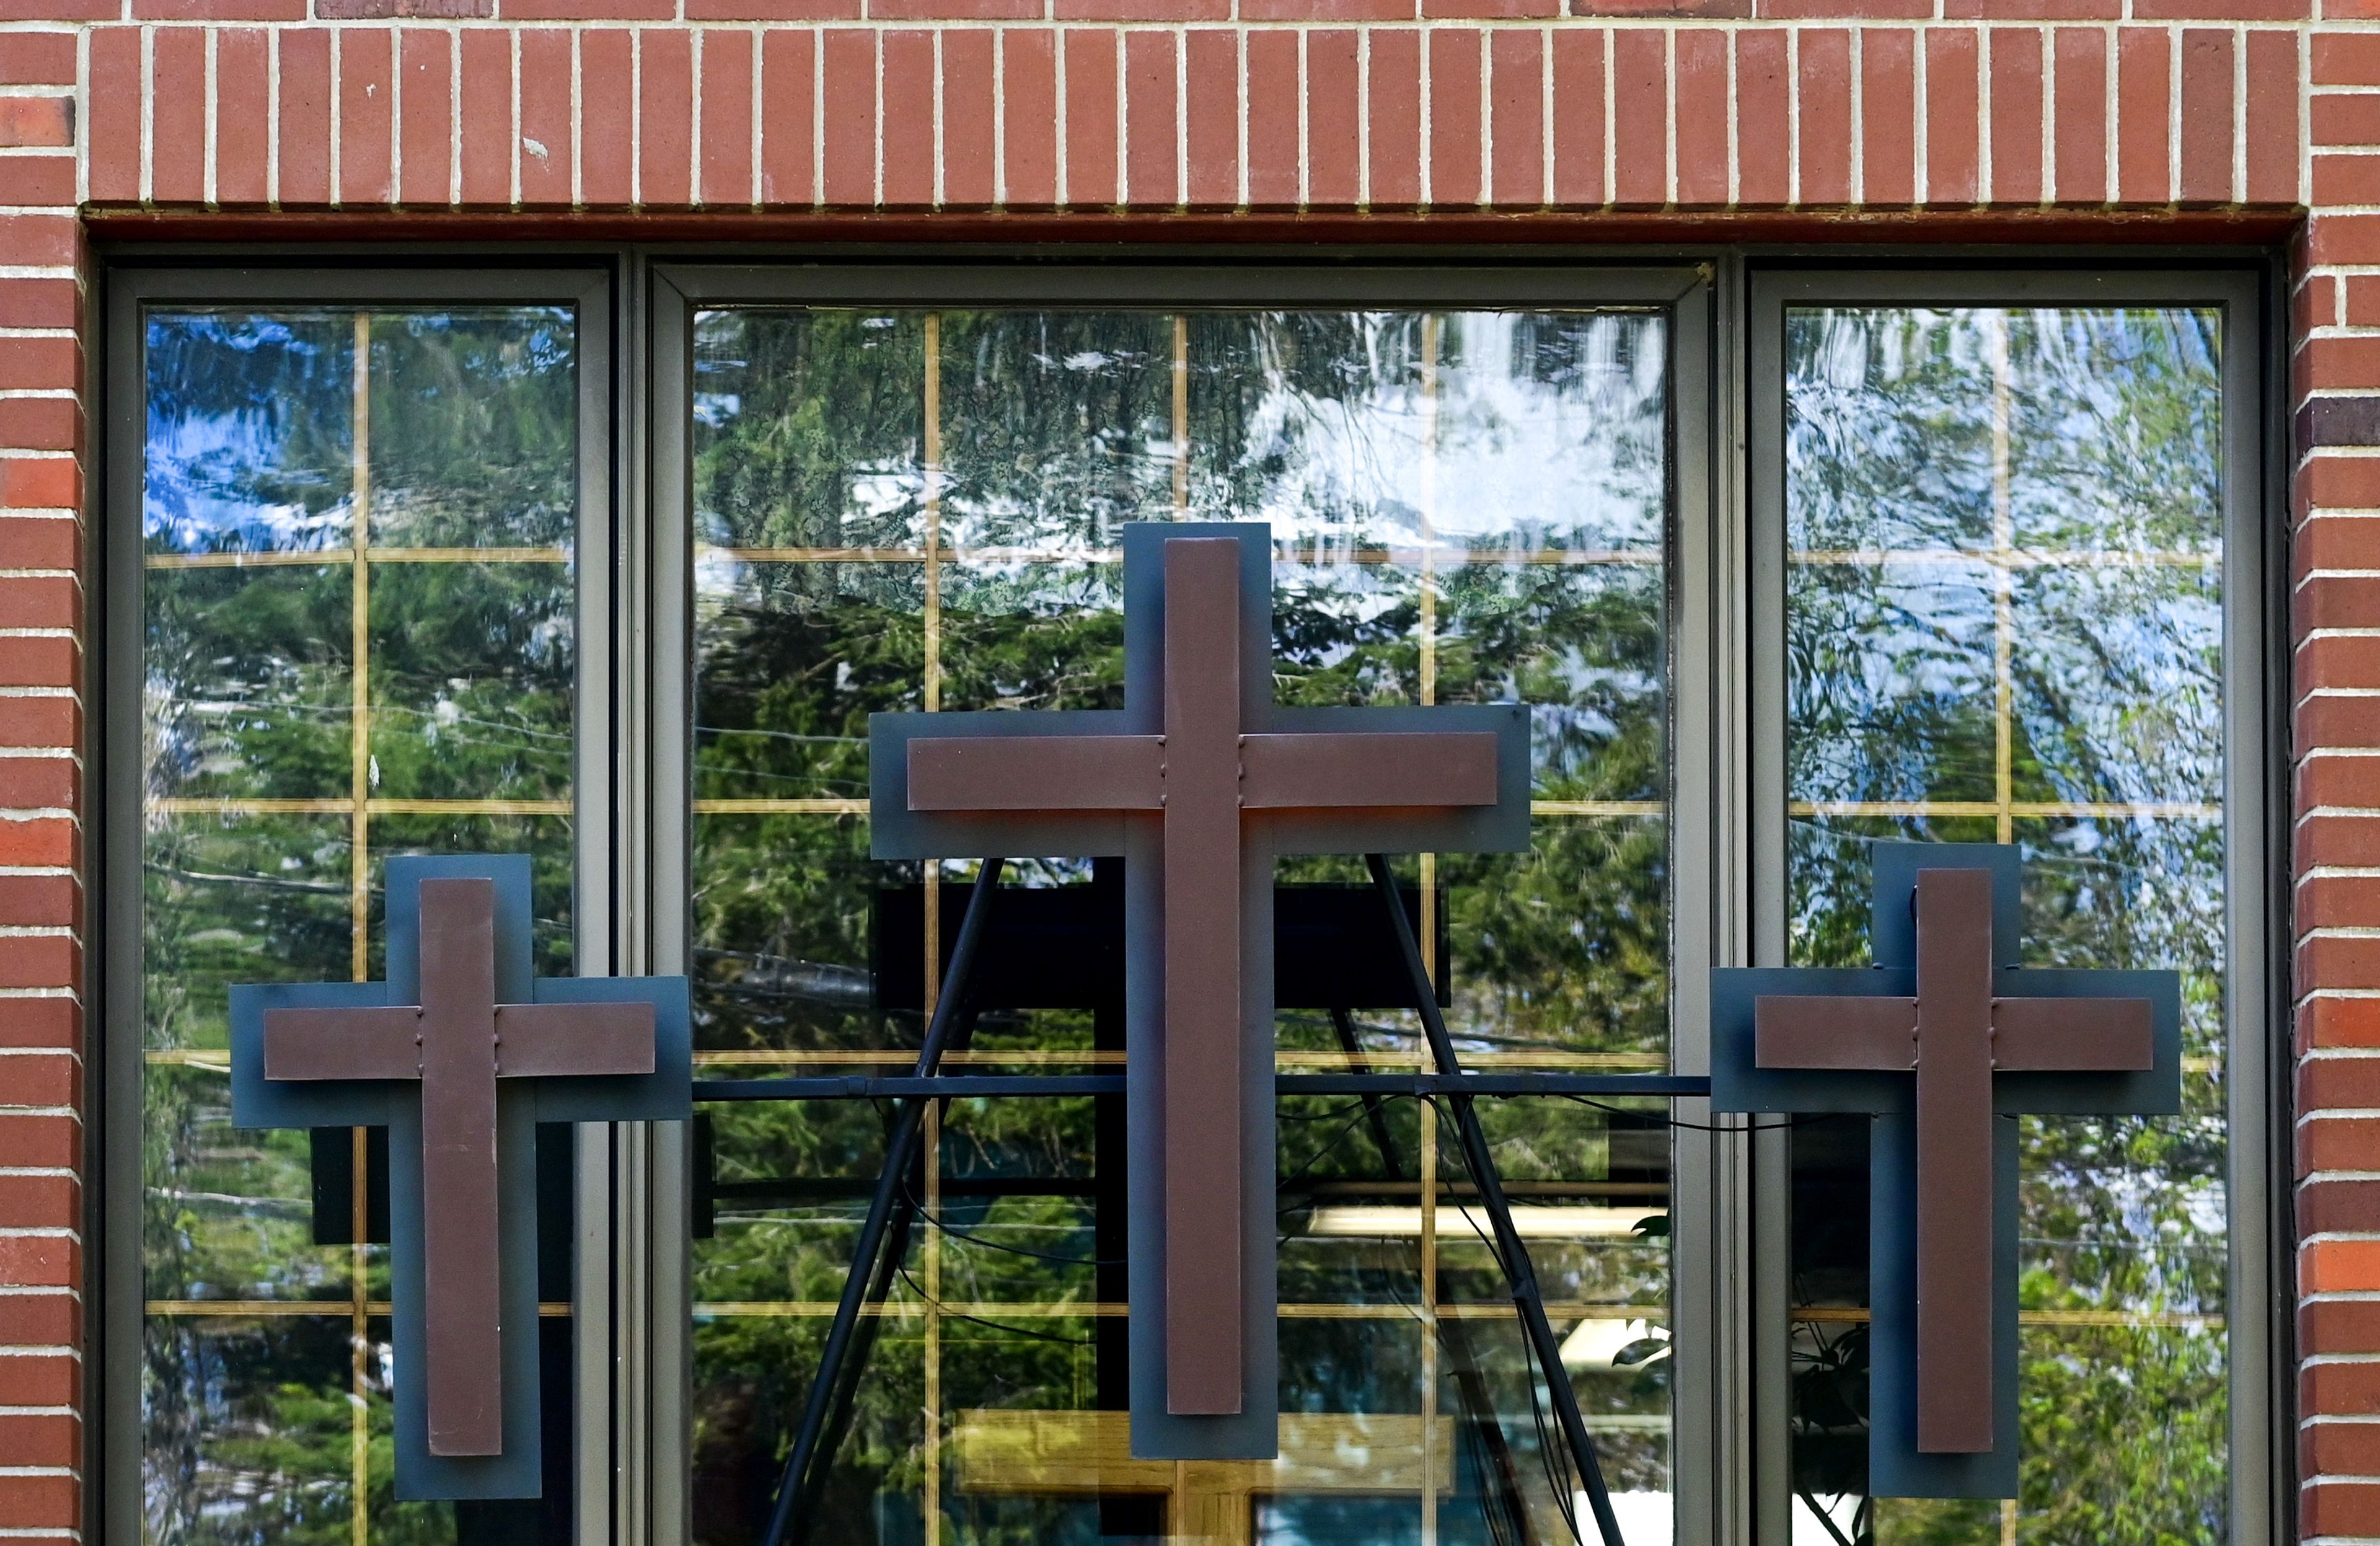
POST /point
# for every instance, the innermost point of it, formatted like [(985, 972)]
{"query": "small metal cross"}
[(456, 1043)]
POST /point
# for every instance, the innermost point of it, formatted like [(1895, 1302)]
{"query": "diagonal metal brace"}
[(888, 1217), (1522, 1277)]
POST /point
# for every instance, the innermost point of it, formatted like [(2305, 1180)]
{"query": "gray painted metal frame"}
[(2255, 739), (1708, 1440), (115, 731)]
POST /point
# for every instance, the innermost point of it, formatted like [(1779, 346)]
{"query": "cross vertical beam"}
[(458, 1165), (1954, 1172), (1201, 800)]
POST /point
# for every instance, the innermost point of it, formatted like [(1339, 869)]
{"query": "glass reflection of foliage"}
[(500, 384), (2004, 624), (263, 1421), (860, 551), (809, 429)]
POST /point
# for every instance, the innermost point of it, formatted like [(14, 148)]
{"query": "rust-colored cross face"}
[(1200, 783), (1953, 1035), (1200, 775), (456, 1043)]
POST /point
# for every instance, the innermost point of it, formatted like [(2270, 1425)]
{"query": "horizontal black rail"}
[(865, 1087)]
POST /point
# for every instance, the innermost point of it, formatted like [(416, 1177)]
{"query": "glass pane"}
[(923, 510), (2004, 624), (335, 669)]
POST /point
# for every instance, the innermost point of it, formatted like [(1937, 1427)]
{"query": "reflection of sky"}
[(2114, 424), (227, 396)]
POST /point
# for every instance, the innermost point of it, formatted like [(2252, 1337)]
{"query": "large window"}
[(919, 508), (401, 564)]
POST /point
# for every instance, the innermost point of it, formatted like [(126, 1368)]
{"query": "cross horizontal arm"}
[(1790, 1031), (2072, 1035), (536, 1041), (1375, 770), (377, 1042), (1036, 773)]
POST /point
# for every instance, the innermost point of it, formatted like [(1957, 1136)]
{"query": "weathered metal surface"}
[(1239, 781), (1982, 1038), (462, 1189)]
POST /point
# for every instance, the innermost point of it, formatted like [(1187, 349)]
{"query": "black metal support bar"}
[(1527, 1298), (1468, 1380), (959, 1087), (1664, 1085), (900, 1151)]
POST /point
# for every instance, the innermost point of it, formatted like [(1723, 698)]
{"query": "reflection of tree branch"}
[(268, 883)]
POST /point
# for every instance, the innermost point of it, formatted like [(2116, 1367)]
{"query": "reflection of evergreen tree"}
[(249, 694), (2113, 448), (1055, 430)]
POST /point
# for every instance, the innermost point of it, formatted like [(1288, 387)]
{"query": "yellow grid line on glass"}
[(334, 557), (1294, 551)]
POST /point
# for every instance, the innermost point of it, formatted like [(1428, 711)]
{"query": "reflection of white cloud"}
[(1595, 1342), (1811, 1531)]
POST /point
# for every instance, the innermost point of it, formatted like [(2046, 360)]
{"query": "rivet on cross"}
[(1982, 1038), (471, 1072), (1200, 782)]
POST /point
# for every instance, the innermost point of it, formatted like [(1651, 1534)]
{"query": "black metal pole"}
[(1519, 1273), (1456, 1335), (900, 1148)]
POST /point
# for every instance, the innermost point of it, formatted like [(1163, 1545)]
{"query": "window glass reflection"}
[(358, 641), (2004, 624), (913, 509)]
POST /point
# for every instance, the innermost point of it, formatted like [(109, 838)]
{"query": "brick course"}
[(1600, 118)]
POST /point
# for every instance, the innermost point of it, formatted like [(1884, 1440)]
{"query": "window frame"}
[(1682, 293), (119, 1071), (1725, 713), (2256, 880)]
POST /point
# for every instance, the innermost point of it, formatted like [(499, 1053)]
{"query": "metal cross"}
[(1979, 1038), (1200, 782), (457, 1041), (460, 1053), (1953, 1035)]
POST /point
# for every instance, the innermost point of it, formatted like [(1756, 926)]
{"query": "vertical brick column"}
[(2334, 620), (42, 438)]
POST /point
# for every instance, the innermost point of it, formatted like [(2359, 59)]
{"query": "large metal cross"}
[(460, 1019), (1200, 782), (1948, 1034)]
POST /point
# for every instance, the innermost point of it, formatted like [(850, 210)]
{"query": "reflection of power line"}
[(261, 883)]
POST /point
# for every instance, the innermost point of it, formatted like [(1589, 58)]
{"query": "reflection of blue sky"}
[(2114, 425), (228, 394)]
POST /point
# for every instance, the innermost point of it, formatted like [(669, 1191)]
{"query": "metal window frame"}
[(1725, 724), (1705, 1446), (2254, 567), (599, 765)]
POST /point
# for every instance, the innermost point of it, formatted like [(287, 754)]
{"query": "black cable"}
[(936, 1222), (1802, 1120), (944, 1309), (1561, 1486)]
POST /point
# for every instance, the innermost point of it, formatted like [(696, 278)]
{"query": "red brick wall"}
[(2130, 118)]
